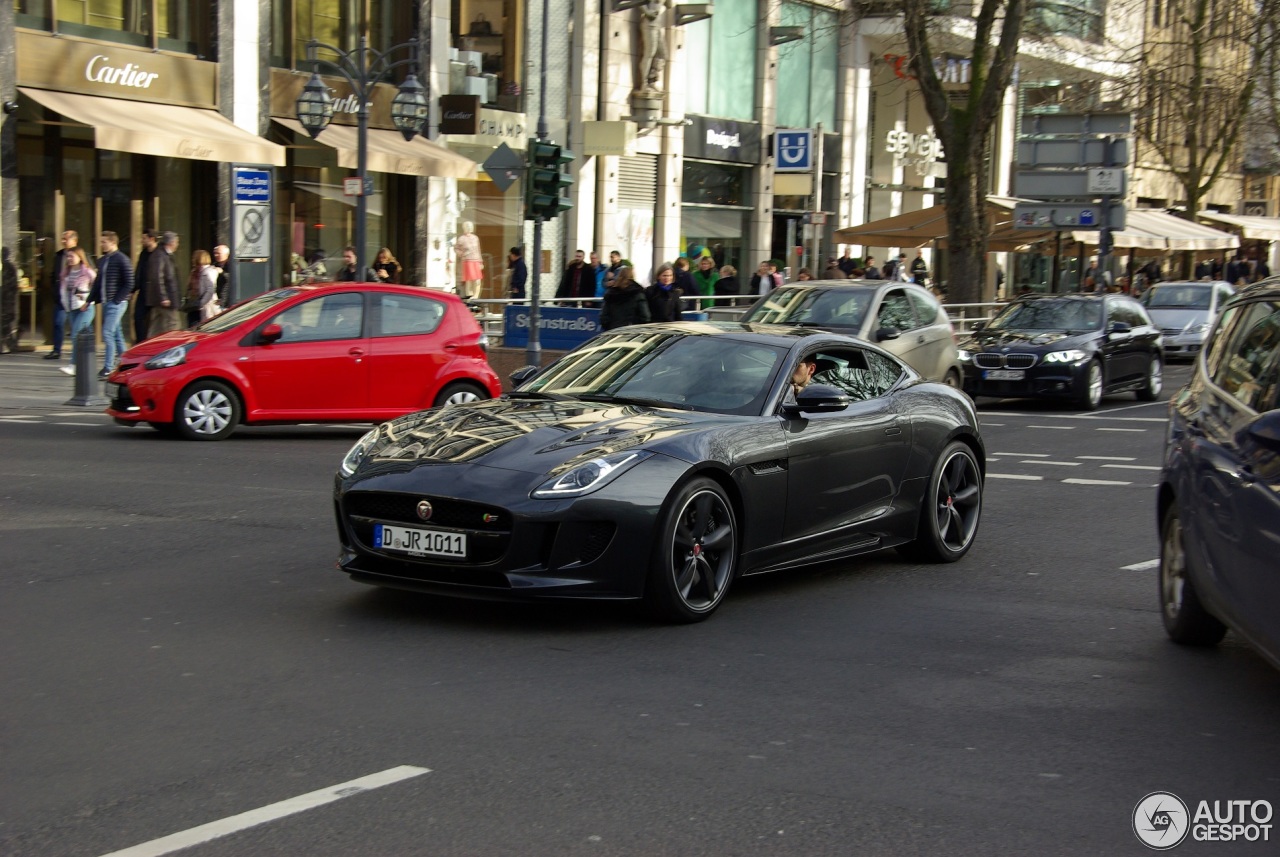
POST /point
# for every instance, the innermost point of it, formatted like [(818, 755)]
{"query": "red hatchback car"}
[(341, 352)]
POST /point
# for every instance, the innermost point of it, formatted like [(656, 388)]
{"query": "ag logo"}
[(1161, 821)]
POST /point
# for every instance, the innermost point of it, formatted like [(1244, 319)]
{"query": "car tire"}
[(952, 379), (695, 557), (458, 393), (207, 410), (951, 508), (1185, 619), (1150, 390), (1091, 392)]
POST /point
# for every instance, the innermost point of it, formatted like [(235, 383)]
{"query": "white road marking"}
[(17, 420), (1131, 466), (1141, 566), (1105, 458), (1055, 428), (1119, 429), (1015, 476), (1143, 405), (1057, 463), (1101, 416), (93, 425), (76, 414), (252, 818), (1001, 425), (1023, 454), (1094, 482)]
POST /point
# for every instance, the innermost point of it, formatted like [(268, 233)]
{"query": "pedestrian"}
[(804, 276), (577, 281), (834, 271), (920, 270), (766, 278), (141, 271), (222, 265), (598, 270), (848, 263), (684, 279), (726, 286), (8, 302), (347, 273), (870, 271), (61, 261), (202, 289), (704, 278), (519, 273), (315, 270), (385, 267), (77, 297), (615, 262), (112, 289), (164, 296), (1153, 274), (893, 268), (624, 302), (664, 295)]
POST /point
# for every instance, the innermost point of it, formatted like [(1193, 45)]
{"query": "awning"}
[(917, 228), (390, 152), (1151, 229), (1250, 225), (161, 130)]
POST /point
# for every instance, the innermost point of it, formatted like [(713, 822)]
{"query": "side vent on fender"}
[(760, 468)]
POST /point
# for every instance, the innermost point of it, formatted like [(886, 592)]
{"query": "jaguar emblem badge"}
[(424, 510)]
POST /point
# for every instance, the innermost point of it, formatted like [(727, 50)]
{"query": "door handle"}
[(451, 346), (356, 352), (892, 430)]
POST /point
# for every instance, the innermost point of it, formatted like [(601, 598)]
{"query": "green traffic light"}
[(547, 180)]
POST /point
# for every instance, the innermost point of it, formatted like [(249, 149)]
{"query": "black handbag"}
[(481, 26)]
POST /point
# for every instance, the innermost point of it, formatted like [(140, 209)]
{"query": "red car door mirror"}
[(270, 334)]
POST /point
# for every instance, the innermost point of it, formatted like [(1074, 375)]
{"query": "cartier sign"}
[(100, 69), (459, 114)]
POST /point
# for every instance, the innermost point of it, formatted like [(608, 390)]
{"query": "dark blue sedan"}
[(1219, 500)]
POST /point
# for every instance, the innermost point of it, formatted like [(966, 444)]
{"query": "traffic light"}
[(548, 182)]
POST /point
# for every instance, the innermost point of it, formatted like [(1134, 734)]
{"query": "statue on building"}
[(653, 44)]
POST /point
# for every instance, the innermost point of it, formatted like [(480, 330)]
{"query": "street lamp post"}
[(363, 69)]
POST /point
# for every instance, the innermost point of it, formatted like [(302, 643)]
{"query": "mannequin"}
[(472, 268)]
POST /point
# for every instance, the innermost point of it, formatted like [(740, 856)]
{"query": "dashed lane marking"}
[(91, 425), (1055, 428), (1105, 458), (1093, 417), (1057, 463), (254, 817), (1119, 429), (1131, 466), (1023, 454), (1094, 482), (1015, 476), (1141, 566)]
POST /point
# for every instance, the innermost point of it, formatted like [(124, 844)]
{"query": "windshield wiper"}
[(535, 394), (633, 400)]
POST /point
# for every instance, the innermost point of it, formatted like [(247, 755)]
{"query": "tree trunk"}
[(966, 203)]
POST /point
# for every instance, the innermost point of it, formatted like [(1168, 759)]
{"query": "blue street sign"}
[(559, 328), (793, 151), (252, 185)]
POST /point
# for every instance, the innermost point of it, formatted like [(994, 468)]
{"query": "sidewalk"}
[(28, 382)]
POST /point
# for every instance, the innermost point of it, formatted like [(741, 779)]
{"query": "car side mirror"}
[(1264, 431), (887, 333), (978, 325), (818, 398), (1119, 327), (269, 334), (524, 373)]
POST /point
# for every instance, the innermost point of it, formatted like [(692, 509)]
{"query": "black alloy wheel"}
[(696, 555), (1185, 619), (951, 508), (207, 410)]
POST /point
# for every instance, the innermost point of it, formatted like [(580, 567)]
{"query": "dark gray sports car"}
[(660, 462)]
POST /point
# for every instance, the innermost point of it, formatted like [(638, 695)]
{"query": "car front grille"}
[(1171, 331), (488, 527), (991, 360)]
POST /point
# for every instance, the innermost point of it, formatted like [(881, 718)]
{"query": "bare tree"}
[(1263, 133)]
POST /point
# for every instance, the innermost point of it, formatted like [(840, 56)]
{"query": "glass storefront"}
[(715, 217), (182, 26), (487, 56)]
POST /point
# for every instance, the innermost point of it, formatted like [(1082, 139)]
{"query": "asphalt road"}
[(178, 650)]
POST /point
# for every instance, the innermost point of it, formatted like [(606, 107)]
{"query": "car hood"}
[(990, 340), (1178, 319), (529, 435), (151, 347)]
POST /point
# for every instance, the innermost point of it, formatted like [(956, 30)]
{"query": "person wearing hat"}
[(163, 294)]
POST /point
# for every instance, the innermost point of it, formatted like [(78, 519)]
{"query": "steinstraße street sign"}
[(504, 166), (1068, 184)]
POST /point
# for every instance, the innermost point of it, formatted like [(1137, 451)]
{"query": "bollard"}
[(86, 373)]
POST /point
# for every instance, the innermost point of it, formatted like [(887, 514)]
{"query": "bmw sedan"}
[(660, 463), (1073, 347), (1218, 507), (346, 352), (903, 318), (1184, 312)]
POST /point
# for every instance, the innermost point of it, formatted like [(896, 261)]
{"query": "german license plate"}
[(418, 542), (1004, 374)]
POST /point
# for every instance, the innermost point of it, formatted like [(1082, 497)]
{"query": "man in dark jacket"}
[(578, 281), (519, 273), (141, 312), (112, 288), (222, 261), (164, 294)]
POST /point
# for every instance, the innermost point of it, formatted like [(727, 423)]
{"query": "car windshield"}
[(1178, 297), (677, 370), (1064, 314), (245, 310), (834, 307)]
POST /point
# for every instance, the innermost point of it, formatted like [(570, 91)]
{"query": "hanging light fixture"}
[(314, 106), (409, 109)]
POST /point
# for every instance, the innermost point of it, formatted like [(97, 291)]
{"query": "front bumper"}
[(1183, 346), (518, 548), (1044, 380)]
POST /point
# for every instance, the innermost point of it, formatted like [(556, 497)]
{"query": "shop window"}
[(715, 184), (181, 26), (720, 61), (807, 69), (337, 23), (486, 56), (1080, 19)]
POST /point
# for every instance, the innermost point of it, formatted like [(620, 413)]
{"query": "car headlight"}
[(1200, 329), (357, 453), (1073, 355), (591, 475), (175, 356), (965, 356)]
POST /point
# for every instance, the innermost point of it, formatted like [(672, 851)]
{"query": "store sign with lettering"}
[(918, 151)]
